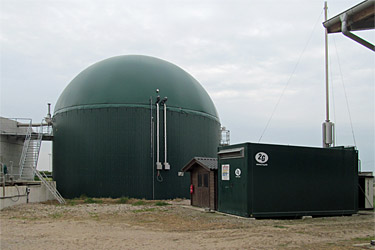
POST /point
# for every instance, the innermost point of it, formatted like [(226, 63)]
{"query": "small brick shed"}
[(203, 177)]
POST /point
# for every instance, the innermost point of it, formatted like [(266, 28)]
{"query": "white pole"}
[(326, 62), (166, 164), (157, 133), (165, 133)]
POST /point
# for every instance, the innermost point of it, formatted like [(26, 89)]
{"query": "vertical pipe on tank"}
[(157, 133), (152, 148), (166, 164), (151, 134), (158, 164)]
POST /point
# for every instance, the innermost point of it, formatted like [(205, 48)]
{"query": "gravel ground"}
[(175, 226)]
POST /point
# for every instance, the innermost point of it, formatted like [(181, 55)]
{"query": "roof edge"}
[(360, 11), (194, 161)]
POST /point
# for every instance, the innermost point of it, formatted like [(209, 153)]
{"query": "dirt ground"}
[(151, 225)]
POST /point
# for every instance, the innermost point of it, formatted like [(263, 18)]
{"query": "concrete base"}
[(15, 195)]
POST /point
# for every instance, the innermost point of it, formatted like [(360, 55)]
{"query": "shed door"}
[(203, 191)]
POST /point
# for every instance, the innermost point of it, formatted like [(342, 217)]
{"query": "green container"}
[(105, 129), (263, 180)]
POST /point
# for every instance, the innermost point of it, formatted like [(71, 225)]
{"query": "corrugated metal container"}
[(263, 180), (104, 144)]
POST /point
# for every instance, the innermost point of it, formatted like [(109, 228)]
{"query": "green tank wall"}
[(102, 130), (106, 152)]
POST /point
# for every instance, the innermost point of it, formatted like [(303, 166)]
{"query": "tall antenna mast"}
[(326, 62), (328, 127)]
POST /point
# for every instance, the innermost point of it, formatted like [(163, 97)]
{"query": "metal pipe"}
[(152, 147), (326, 62), (327, 126), (48, 118), (157, 132), (165, 133), (347, 33), (3, 174), (166, 164), (13, 196), (32, 125), (158, 164), (151, 134)]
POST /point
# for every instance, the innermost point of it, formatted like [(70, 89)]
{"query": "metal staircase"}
[(26, 160), (29, 160)]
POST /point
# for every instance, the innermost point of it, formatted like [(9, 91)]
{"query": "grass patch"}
[(139, 203), (23, 218), (123, 200), (144, 210), (92, 200), (161, 203), (280, 226), (178, 199), (71, 203), (83, 197), (56, 215), (366, 239)]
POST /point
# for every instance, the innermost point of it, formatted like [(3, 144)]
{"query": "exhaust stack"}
[(48, 118)]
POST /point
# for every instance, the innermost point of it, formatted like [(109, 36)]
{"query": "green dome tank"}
[(105, 129)]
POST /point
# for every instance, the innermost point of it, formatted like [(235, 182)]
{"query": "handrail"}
[(25, 148)]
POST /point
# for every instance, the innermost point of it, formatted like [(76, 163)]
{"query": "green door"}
[(232, 183)]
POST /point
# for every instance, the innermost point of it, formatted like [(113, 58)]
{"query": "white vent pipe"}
[(166, 164), (158, 164)]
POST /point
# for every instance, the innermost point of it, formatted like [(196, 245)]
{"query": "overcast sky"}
[(244, 54)]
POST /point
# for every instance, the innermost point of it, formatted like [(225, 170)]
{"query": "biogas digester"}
[(105, 139)]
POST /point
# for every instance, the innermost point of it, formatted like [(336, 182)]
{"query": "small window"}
[(205, 180), (199, 180)]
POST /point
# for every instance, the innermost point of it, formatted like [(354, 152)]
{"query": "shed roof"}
[(207, 163)]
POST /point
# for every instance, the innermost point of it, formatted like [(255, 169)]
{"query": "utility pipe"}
[(152, 146), (158, 164), (32, 125), (48, 118), (3, 174), (166, 164)]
